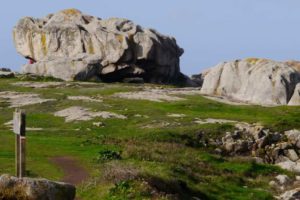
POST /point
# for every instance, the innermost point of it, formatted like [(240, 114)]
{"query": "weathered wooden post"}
[(19, 123)]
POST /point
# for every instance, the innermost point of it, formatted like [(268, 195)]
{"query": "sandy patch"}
[(17, 99), (159, 95), (77, 113), (85, 98), (213, 121)]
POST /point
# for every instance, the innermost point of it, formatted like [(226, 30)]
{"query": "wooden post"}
[(19, 123)]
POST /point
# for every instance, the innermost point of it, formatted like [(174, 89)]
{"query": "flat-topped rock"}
[(118, 47)]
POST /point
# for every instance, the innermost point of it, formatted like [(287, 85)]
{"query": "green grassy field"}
[(128, 161)]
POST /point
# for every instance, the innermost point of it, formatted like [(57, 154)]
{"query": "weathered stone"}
[(294, 137), (256, 81), (281, 158), (290, 195), (34, 189), (283, 179), (123, 49), (292, 155), (284, 145), (290, 166)]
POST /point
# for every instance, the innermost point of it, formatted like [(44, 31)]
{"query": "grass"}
[(168, 161)]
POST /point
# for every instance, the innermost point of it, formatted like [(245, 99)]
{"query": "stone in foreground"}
[(34, 189), (73, 46), (254, 81)]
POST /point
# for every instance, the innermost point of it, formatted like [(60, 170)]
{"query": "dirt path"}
[(73, 172)]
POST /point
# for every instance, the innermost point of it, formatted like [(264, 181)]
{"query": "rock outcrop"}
[(34, 189), (6, 73), (282, 149), (73, 46), (254, 81)]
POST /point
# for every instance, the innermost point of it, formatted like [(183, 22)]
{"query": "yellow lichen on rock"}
[(120, 38), (71, 11), (44, 43), (90, 47), (252, 61)]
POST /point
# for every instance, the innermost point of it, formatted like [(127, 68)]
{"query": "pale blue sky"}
[(210, 31)]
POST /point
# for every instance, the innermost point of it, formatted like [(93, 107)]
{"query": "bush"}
[(106, 155)]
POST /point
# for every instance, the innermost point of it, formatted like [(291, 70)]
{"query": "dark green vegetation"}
[(138, 158)]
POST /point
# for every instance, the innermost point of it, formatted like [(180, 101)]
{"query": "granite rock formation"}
[(73, 46), (254, 81)]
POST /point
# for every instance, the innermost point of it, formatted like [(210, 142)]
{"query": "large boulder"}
[(255, 81), (34, 189), (124, 49)]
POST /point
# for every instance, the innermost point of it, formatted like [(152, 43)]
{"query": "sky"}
[(210, 31)]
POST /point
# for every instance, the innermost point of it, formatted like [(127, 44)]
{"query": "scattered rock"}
[(290, 166), (176, 115), (281, 182), (213, 121), (256, 141), (159, 95), (255, 81), (32, 84), (294, 137), (139, 115), (73, 46), (290, 195), (17, 99), (98, 124), (85, 98), (292, 155), (35, 189), (77, 113), (283, 179)]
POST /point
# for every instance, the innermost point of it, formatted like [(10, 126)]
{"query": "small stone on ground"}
[(85, 98), (213, 121)]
